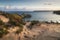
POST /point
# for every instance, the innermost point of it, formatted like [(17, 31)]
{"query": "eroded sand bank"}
[(38, 32)]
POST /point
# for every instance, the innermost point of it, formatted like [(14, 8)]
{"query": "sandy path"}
[(42, 32)]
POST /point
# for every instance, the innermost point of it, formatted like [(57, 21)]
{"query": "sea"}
[(40, 16)]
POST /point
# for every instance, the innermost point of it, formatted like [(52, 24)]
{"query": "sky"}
[(29, 4)]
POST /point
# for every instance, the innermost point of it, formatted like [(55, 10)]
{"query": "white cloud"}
[(34, 7), (13, 7), (43, 7)]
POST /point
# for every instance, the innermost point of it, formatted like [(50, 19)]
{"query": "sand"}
[(42, 31)]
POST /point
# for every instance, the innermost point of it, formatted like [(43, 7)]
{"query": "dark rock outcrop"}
[(57, 12)]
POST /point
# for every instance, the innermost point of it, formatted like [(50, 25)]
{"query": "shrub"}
[(1, 22), (3, 32), (34, 22)]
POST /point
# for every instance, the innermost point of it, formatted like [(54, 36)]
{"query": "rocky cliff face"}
[(57, 12)]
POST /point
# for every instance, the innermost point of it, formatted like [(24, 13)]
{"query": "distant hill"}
[(42, 10)]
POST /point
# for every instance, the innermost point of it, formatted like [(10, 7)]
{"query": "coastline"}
[(31, 30)]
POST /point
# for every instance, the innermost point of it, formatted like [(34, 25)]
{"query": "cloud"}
[(13, 7), (34, 7)]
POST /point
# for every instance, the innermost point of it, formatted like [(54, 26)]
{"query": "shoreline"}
[(29, 30)]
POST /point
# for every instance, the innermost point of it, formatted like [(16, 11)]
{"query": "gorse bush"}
[(14, 20), (1, 22), (3, 32), (34, 22)]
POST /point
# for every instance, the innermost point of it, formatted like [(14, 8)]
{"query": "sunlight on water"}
[(44, 16)]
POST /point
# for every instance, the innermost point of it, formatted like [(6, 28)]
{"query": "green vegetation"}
[(3, 29), (3, 32), (19, 31), (1, 22), (14, 20), (33, 23)]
